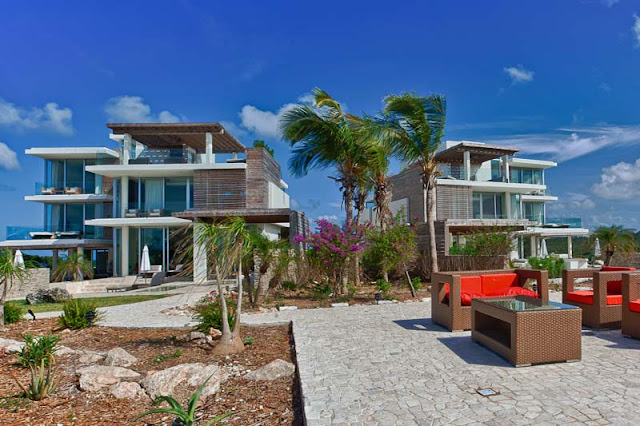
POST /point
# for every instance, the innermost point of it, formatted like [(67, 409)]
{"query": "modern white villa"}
[(483, 186), (108, 203)]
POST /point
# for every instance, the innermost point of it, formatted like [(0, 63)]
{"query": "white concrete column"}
[(514, 248), (505, 167), (200, 272), (124, 195), (466, 161), (534, 246), (209, 147), (126, 148), (507, 197), (124, 252), (569, 247)]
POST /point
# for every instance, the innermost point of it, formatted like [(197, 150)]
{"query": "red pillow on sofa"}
[(616, 268), (466, 297), (497, 282), (514, 291), (614, 287)]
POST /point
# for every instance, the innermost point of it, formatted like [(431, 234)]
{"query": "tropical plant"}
[(43, 382), (75, 266), (78, 314), (185, 416), (37, 350), (414, 126), (490, 242), (553, 265), (272, 255), (262, 144), (13, 313), (614, 239), (383, 285), (10, 272), (209, 314)]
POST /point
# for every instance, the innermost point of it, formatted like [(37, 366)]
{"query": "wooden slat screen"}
[(219, 189)]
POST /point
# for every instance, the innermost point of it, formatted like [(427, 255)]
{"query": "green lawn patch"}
[(100, 301)]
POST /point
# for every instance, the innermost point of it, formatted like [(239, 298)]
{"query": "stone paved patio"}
[(390, 365)]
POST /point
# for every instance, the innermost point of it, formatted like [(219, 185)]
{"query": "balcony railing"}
[(43, 188)]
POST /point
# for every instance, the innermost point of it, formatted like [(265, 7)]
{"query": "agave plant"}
[(184, 416), (43, 381)]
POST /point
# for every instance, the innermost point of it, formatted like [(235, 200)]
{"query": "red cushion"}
[(586, 297), (616, 268), (495, 282), (614, 287), (466, 297), (473, 284), (514, 291), (635, 305)]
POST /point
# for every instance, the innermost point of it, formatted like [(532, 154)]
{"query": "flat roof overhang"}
[(139, 222), (479, 153), (461, 226), (516, 188), (72, 153), (174, 135), (51, 244), (159, 170), (69, 198), (532, 164), (538, 231), (249, 215)]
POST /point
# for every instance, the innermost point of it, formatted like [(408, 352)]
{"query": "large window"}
[(488, 205), (74, 218), (534, 212), (175, 194), (525, 175), (151, 194)]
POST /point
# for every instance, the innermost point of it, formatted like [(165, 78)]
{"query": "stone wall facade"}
[(38, 280)]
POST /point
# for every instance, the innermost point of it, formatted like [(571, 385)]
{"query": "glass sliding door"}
[(74, 174), (488, 205), (151, 194), (175, 194)]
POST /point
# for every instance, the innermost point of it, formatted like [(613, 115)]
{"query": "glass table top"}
[(525, 303)]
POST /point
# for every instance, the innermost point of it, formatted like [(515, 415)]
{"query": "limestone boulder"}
[(120, 358), (10, 346), (165, 382), (97, 377), (274, 370), (127, 390)]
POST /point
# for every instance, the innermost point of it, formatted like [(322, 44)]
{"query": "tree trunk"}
[(236, 327), (5, 292), (430, 188), (230, 343), (406, 272), (608, 257)]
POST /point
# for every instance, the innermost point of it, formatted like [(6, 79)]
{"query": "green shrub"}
[(37, 350), (351, 289), (13, 313), (289, 285), (321, 291), (417, 283), (249, 340), (74, 314), (553, 265), (163, 357), (209, 314), (383, 286), (43, 382)]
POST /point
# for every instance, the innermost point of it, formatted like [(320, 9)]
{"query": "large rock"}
[(63, 351), (127, 390), (120, 358), (272, 371), (10, 346), (165, 382), (96, 377), (91, 357), (52, 295)]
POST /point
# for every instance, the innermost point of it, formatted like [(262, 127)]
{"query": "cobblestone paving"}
[(390, 365)]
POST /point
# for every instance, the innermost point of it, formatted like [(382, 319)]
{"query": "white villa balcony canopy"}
[(139, 222)]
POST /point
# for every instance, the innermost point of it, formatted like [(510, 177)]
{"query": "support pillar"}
[(126, 148), (200, 272), (209, 148), (534, 246), (124, 195), (54, 259), (569, 246), (505, 168), (507, 202), (124, 254), (467, 165)]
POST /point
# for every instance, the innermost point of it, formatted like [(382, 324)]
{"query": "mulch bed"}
[(252, 402)]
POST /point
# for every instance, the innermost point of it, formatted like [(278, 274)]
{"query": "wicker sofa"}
[(631, 304), (452, 292), (601, 306)]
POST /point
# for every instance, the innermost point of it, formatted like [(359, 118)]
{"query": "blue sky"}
[(558, 79)]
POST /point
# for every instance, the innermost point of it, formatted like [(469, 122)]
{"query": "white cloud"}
[(234, 129), (573, 201), (575, 142), (519, 74), (605, 87), (610, 3), (330, 217), (8, 158), (51, 117), (636, 29), (619, 182), (132, 109), (266, 124)]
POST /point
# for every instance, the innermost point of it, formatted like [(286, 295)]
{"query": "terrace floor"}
[(390, 364)]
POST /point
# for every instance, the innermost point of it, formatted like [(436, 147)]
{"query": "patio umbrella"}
[(145, 263), (543, 249), (597, 252), (18, 260)]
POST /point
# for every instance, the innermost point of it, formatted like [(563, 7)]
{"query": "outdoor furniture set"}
[(51, 190), (511, 315)]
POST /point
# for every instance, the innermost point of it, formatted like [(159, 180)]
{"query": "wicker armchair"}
[(448, 289), (602, 306), (631, 304)]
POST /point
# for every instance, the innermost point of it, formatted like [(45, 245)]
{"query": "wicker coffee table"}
[(526, 331)]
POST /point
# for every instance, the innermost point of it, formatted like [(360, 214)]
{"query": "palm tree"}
[(75, 266), (269, 253), (414, 126), (10, 272), (323, 137), (615, 238)]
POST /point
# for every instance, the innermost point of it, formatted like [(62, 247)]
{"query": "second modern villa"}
[(108, 203)]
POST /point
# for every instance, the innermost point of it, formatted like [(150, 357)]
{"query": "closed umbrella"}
[(18, 260), (597, 252), (543, 249), (145, 263)]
